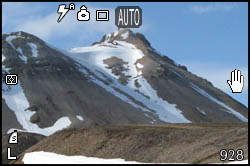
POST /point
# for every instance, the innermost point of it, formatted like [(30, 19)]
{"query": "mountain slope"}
[(119, 80)]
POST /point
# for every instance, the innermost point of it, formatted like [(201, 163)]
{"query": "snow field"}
[(42, 157), (79, 117), (92, 58), (33, 49), (17, 102)]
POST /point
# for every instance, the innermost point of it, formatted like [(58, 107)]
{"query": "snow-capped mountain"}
[(121, 79)]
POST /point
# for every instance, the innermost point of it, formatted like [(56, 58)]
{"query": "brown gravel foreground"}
[(170, 143)]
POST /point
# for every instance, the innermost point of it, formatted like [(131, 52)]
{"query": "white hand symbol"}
[(237, 81)]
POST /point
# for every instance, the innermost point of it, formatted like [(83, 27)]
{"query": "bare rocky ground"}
[(168, 143)]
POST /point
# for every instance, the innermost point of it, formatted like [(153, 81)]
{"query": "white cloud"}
[(213, 7), (47, 26)]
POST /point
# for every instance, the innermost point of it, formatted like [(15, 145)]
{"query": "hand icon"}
[(237, 81)]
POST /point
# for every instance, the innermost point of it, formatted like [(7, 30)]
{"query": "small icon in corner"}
[(237, 81), (83, 14), (11, 79), (99, 17), (62, 10), (71, 6), (12, 140), (9, 157), (13, 137), (128, 16)]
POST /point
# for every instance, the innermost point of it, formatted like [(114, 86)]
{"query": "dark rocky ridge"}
[(169, 143)]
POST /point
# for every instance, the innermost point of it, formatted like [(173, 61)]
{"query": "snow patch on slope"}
[(125, 35), (203, 112), (238, 162), (79, 117), (140, 66), (33, 49), (232, 111), (116, 33), (42, 157), (12, 37), (9, 40), (21, 55), (5, 70), (181, 77), (17, 102), (3, 57), (92, 58)]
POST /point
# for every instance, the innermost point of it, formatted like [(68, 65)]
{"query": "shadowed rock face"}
[(9, 116), (55, 87), (168, 143), (117, 67)]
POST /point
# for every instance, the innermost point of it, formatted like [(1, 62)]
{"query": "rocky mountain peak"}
[(122, 71), (124, 34), (21, 45), (120, 34), (16, 37), (19, 34)]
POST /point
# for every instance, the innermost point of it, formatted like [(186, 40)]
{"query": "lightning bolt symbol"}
[(62, 10)]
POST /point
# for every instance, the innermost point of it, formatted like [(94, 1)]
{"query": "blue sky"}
[(211, 39)]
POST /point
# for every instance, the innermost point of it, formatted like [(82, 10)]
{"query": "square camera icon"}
[(11, 79)]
